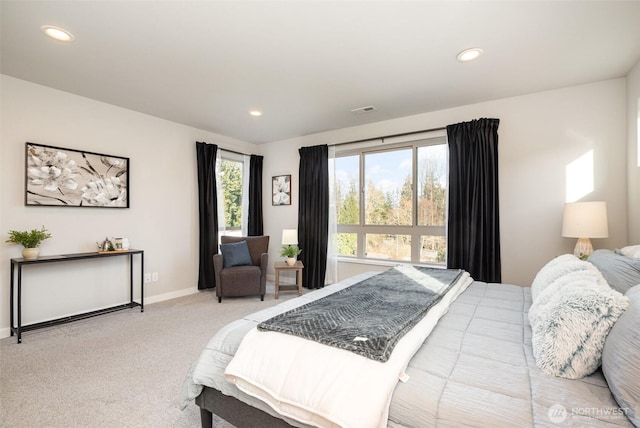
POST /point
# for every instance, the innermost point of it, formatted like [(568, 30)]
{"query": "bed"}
[(475, 368)]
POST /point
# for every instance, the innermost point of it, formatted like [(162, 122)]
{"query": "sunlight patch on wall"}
[(580, 177)]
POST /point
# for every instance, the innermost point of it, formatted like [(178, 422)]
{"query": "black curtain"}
[(313, 214), (208, 209), (473, 241), (254, 227)]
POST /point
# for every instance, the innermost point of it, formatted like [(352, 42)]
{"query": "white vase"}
[(291, 261), (30, 253)]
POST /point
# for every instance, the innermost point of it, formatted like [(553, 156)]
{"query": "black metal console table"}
[(19, 263)]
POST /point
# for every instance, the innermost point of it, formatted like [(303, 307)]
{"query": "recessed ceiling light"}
[(469, 54), (255, 113), (57, 33)]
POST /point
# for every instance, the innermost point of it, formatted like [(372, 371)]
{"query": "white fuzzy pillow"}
[(570, 330), (555, 269), (584, 276)]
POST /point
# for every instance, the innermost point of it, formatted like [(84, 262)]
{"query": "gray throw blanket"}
[(369, 317)]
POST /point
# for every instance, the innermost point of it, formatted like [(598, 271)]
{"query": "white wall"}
[(162, 220), (282, 160), (633, 162), (540, 134)]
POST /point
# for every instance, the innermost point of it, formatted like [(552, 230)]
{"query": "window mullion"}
[(415, 236), (361, 236)]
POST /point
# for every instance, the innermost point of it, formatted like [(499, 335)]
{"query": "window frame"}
[(238, 158), (414, 230)]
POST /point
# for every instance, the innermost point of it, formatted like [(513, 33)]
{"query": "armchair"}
[(245, 280)]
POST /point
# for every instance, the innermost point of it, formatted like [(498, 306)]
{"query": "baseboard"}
[(5, 332), (168, 296)]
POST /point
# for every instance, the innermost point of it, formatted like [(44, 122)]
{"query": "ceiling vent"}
[(363, 110)]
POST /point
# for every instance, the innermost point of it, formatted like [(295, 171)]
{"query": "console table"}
[(18, 328)]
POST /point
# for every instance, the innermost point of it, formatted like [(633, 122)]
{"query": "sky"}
[(388, 170)]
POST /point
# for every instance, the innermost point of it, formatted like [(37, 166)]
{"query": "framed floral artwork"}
[(61, 177), (281, 190)]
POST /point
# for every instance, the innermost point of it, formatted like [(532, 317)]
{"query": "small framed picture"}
[(281, 190)]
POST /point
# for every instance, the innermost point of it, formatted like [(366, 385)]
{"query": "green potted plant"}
[(290, 252), (30, 240)]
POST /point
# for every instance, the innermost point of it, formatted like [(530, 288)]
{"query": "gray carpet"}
[(123, 369)]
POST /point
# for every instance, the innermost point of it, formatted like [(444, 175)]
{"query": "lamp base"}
[(583, 248)]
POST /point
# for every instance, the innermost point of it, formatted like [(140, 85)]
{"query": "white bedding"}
[(324, 386)]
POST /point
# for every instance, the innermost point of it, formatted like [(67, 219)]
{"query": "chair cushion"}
[(240, 281), (235, 254)]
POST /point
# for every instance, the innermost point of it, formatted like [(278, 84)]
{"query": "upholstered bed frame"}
[(213, 402)]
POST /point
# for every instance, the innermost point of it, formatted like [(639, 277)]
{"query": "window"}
[(231, 186), (391, 203), (387, 193)]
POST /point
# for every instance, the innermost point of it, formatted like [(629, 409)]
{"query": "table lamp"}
[(585, 220), (289, 237), (290, 245)]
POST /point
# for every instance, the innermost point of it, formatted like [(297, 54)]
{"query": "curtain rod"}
[(390, 136), (233, 151)]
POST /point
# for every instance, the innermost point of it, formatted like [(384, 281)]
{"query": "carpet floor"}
[(123, 369)]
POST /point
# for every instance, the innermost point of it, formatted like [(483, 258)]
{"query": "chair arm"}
[(218, 264), (264, 261)]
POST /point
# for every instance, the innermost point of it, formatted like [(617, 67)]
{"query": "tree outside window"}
[(231, 172), (404, 194)]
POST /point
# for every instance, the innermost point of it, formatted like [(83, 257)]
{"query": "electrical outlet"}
[(154, 276), (147, 277)]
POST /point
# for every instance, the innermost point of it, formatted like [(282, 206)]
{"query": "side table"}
[(298, 266)]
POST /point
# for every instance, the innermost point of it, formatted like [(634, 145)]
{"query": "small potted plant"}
[(29, 240), (290, 252)]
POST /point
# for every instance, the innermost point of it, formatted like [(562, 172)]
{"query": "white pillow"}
[(554, 269), (585, 276), (631, 251), (569, 335)]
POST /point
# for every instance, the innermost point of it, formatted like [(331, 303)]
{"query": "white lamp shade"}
[(290, 237), (585, 220)]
